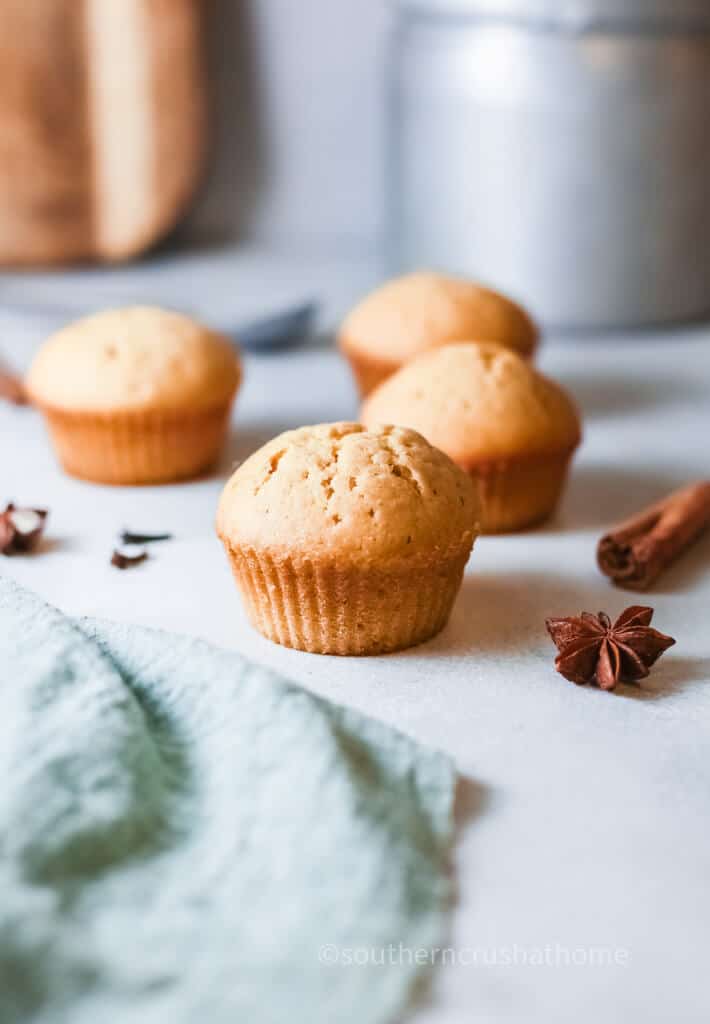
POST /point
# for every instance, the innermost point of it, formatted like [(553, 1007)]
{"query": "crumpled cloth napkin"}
[(186, 837)]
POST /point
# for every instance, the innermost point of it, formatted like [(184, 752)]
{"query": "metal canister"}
[(559, 151)]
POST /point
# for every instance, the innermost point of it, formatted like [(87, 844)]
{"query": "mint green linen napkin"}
[(185, 836)]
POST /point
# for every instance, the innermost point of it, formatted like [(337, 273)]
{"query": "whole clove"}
[(129, 537), (21, 528), (127, 556)]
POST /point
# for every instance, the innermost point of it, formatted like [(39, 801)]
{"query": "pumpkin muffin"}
[(419, 311), (348, 541), (135, 396), (505, 424)]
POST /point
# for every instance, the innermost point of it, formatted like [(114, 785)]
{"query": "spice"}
[(21, 528), (131, 550), (128, 537), (592, 650), (12, 388), (127, 556), (636, 552)]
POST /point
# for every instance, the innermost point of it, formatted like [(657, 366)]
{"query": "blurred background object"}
[(558, 151), (300, 114), (103, 111)]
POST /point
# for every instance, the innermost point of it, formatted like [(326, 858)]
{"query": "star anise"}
[(592, 650)]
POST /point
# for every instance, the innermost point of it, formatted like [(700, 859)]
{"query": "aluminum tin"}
[(568, 168), (665, 14)]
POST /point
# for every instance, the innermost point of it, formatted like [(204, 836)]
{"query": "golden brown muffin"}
[(510, 427), (419, 311), (347, 541), (135, 396)]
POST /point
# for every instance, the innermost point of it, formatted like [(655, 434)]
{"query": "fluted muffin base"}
[(137, 447), (517, 493), (345, 611)]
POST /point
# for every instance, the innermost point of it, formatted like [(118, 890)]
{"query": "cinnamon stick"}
[(11, 388), (635, 553)]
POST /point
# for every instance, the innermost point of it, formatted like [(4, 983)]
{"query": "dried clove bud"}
[(127, 556), (21, 528), (129, 537)]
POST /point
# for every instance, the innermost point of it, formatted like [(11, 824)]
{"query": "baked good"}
[(419, 311), (103, 107), (507, 425), (135, 396), (348, 541)]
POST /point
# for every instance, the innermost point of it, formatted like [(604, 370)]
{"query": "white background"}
[(300, 122)]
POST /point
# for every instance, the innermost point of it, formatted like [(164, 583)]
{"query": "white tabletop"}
[(584, 816)]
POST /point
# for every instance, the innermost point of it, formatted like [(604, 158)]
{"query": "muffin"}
[(348, 541), (505, 424), (411, 314), (135, 396)]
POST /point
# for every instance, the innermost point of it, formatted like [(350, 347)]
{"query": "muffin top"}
[(134, 359), (477, 401), (421, 310), (350, 496)]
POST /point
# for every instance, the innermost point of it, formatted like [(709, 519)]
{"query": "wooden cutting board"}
[(103, 113)]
